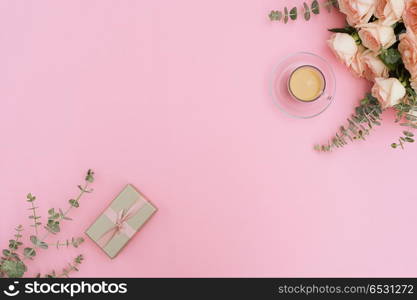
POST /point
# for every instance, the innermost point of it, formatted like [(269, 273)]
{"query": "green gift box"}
[(115, 227)]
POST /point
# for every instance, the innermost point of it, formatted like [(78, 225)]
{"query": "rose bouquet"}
[(379, 43)]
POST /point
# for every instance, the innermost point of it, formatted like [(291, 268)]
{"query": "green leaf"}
[(315, 8), (293, 13), (6, 252), (90, 176), (52, 275), (275, 15), (77, 241), (34, 239), (43, 245), (408, 133), (30, 197), (13, 269), (285, 15), (29, 252), (74, 203), (306, 12), (411, 117), (13, 244), (391, 58), (53, 226), (347, 29), (79, 259)]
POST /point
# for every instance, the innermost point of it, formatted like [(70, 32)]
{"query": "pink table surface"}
[(172, 96)]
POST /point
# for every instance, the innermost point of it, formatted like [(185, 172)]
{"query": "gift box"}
[(116, 226)]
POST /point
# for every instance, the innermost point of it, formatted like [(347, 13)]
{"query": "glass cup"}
[(287, 100), (306, 83)]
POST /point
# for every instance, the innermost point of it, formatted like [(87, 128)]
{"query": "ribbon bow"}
[(120, 225)]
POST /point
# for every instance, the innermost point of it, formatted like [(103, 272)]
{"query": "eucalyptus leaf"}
[(30, 197), (275, 15), (285, 15), (347, 29), (74, 203), (34, 240), (306, 12), (391, 58), (29, 252), (315, 8), (13, 269), (90, 176), (43, 245), (293, 13)]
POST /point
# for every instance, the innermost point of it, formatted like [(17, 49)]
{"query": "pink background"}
[(172, 96)]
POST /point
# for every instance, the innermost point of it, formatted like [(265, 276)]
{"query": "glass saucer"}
[(283, 98)]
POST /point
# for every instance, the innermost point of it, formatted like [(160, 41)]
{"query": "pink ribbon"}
[(120, 225)]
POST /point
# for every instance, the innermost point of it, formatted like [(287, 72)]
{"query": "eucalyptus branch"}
[(11, 264), (53, 225), (72, 267), (285, 15), (14, 245), (12, 261), (408, 137), (366, 116), (30, 198), (406, 112), (74, 242)]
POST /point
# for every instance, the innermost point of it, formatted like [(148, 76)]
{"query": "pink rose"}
[(344, 47), (357, 11), (372, 66), (408, 50), (389, 11), (410, 16), (389, 92), (356, 67), (377, 35)]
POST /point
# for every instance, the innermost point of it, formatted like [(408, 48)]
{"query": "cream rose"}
[(357, 11), (344, 47), (410, 16), (377, 35), (388, 91), (408, 50), (356, 66), (389, 11), (372, 66)]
